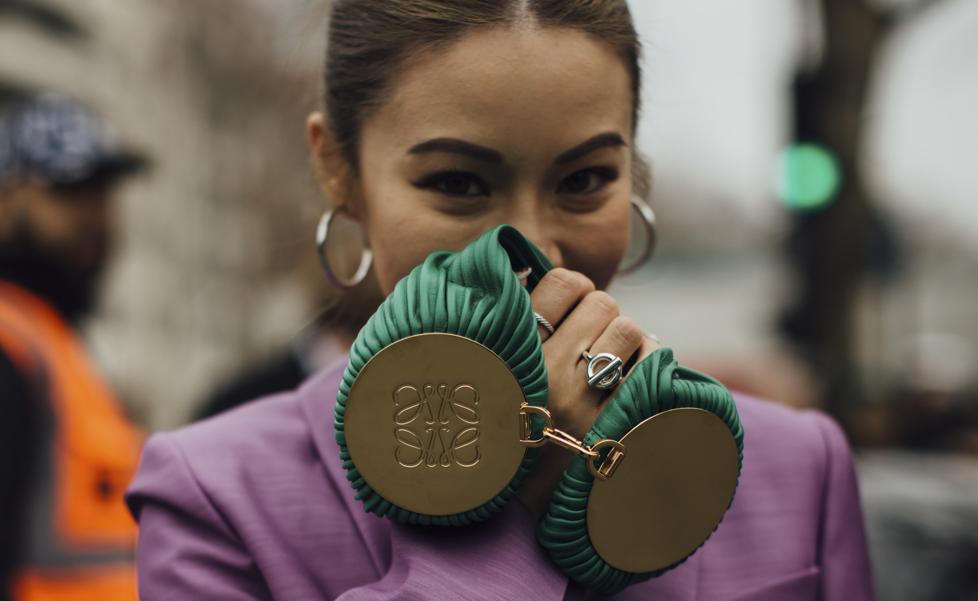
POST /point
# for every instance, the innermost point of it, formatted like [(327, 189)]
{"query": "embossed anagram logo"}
[(436, 426)]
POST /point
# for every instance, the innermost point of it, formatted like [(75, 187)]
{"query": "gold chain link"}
[(567, 442)]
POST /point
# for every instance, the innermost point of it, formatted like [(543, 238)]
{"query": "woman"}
[(445, 118)]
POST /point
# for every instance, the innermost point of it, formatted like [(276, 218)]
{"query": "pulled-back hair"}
[(370, 40)]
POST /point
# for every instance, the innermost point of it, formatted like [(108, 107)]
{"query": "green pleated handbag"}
[(442, 408)]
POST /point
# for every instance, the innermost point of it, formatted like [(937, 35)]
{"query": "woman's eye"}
[(587, 181), (455, 183)]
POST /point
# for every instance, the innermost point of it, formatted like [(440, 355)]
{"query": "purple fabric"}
[(254, 504)]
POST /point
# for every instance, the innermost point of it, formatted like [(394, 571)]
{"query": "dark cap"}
[(62, 143)]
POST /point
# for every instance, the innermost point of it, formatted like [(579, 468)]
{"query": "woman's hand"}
[(584, 319)]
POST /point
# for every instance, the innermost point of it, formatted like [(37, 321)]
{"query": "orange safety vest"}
[(79, 538)]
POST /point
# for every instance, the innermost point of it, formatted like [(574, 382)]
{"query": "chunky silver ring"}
[(543, 322), (604, 376)]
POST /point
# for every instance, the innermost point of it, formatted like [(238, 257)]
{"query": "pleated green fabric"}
[(472, 293), (656, 384)]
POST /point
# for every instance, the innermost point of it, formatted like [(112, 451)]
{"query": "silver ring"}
[(543, 322), (604, 376)]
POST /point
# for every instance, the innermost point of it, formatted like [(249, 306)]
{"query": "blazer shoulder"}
[(245, 448), (781, 437), (783, 420), (228, 454), (268, 426)]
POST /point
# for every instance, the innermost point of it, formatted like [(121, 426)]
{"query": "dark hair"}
[(369, 40)]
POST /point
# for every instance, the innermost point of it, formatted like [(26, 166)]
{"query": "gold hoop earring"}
[(366, 257), (647, 218)]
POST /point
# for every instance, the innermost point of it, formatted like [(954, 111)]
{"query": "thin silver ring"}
[(604, 377), (543, 322)]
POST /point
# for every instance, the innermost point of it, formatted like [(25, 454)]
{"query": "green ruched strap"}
[(472, 293), (656, 384)]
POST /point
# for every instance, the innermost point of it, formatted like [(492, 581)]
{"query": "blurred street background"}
[(815, 182)]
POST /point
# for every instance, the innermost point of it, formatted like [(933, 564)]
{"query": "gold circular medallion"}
[(670, 491), (432, 423)]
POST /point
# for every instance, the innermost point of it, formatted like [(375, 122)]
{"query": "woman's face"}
[(528, 126)]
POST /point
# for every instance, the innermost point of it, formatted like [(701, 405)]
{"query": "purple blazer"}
[(254, 504)]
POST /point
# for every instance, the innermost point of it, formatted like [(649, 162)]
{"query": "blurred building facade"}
[(216, 243)]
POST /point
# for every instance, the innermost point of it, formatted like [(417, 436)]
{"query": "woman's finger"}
[(584, 325), (556, 294), (650, 344), (622, 338)]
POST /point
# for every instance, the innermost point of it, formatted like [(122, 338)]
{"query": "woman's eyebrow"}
[(599, 141), (456, 146)]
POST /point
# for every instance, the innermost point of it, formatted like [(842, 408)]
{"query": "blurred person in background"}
[(67, 450)]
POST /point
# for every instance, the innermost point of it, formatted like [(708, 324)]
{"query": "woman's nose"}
[(536, 228)]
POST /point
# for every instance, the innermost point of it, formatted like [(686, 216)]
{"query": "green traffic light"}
[(808, 177)]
